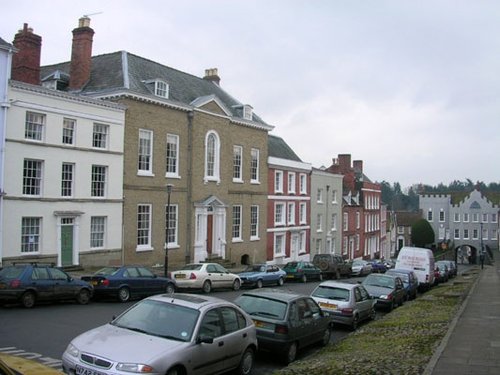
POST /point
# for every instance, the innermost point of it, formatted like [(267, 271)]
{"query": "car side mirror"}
[(204, 339)]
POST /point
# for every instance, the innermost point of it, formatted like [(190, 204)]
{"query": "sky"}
[(411, 88)]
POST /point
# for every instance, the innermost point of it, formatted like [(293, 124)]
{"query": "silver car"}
[(347, 304), (162, 334)]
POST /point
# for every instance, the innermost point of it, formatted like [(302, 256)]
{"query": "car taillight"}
[(281, 329), (15, 283), (389, 296), (192, 276), (105, 282), (299, 269), (347, 311)]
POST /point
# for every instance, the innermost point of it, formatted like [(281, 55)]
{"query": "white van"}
[(419, 260)]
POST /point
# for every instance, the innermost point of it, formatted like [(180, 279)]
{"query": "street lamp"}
[(167, 216)]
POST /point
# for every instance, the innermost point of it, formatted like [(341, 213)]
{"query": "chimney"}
[(344, 162), (358, 166), (81, 54), (26, 62), (212, 75)]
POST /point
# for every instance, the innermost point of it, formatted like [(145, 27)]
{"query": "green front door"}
[(67, 245)]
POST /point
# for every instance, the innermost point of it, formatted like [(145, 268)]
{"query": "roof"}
[(278, 148), (121, 71), (406, 218)]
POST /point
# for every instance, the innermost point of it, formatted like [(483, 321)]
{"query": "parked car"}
[(378, 266), (453, 268), (389, 291), (178, 334), (205, 276), (361, 268), (410, 281), (258, 275), (332, 266), (126, 282), (419, 260), (285, 322), (347, 304), (302, 271), (442, 268), (389, 263), (31, 283), (16, 365), (449, 267)]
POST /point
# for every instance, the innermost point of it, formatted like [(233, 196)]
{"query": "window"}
[(237, 163), (441, 216), (32, 177), (466, 217), (171, 223), (358, 220), (475, 234), (279, 214), (236, 223), (302, 242), (143, 226), (278, 181), (319, 196), (303, 183), (466, 234), (346, 221), (172, 153), (254, 167), (475, 218), (303, 213), (456, 217), (334, 196), (97, 231), (494, 218), (161, 89), (67, 179), (100, 136), (484, 234), (145, 165), (68, 131), (34, 127), (30, 234), (291, 213), (318, 246), (279, 244), (291, 183), (457, 234), (401, 229), (484, 218), (254, 222), (429, 215), (98, 188), (247, 112), (319, 223), (334, 222), (212, 154)]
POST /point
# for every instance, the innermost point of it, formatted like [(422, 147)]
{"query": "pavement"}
[(472, 343)]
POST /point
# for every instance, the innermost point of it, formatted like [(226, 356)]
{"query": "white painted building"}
[(63, 177)]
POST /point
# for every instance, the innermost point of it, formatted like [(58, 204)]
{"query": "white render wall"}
[(51, 206)]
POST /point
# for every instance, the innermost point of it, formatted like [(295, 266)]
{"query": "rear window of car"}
[(403, 276), (339, 294), (106, 271), (291, 265), (191, 267), (11, 272), (261, 306)]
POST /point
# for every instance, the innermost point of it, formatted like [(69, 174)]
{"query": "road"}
[(42, 333)]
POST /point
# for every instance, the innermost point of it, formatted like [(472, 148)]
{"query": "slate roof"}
[(4, 44), (122, 71), (278, 148)]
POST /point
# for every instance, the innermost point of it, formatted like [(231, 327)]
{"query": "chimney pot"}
[(212, 75)]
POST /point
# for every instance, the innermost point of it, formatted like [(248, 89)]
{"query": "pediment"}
[(211, 103)]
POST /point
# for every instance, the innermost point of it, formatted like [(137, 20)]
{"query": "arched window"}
[(212, 157)]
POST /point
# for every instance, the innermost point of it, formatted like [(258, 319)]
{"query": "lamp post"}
[(167, 216)]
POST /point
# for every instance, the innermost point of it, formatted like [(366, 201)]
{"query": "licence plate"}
[(289, 276), (94, 283), (180, 276), (328, 305), (87, 371)]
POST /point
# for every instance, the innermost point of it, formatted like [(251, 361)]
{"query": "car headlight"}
[(134, 367), (72, 350), (384, 296)]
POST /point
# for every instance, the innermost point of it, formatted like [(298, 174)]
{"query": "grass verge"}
[(402, 342)]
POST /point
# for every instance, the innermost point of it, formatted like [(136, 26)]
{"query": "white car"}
[(168, 334), (205, 276)]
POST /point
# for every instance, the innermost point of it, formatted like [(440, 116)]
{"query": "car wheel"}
[(304, 278), (280, 281), (246, 363), (28, 299), (83, 297), (170, 289), (175, 371), (258, 284), (373, 314), (290, 353), (207, 286), (326, 337), (236, 284), (355, 322), (123, 294)]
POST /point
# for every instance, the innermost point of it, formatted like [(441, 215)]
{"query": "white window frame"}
[(145, 153), (68, 131), (67, 179), (303, 212), (442, 216), (456, 217), (278, 181), (302, 242), (171, 238), (31, 233), (237, 217), (494, 218), (484, 218), (466, 217), (98, 186), (34, 128), (345, 221), (254, 222), (279, 213), (100, 136), (254, 166), (291, 213), (334, 196), (212, 167), (334, 222), (475, 234), (475, 217), (303, 183), (144, 221), (466, 234), (98, 232), (279, 244), (456, 235), (291, 182), (430, 216), (172, 156), (319, 223), (319, 195), (358, 220), (237, 163), (161, 88), (33, 177)]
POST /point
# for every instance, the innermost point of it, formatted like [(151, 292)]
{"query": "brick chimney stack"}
[(26, 62), (344, 162), (212, 76), (358, 166), (81, 54)]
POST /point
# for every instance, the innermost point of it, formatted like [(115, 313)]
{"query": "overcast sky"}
[(412, 88)]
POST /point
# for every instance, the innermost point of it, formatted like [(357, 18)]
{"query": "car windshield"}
[(11, 272), (291, 265), (261, 306), (403, 276), (107, 271), (255, 268), (192, 267), (358, 263), (161, 319), (383, 281), (339, 294)]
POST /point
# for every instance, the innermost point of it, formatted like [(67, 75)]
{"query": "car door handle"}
[(221, 343), (245, 335)]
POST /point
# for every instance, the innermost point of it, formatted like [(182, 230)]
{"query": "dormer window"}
[(161, 89), (247, 112)]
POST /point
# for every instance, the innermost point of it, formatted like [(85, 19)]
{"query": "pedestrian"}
[(481, 258)]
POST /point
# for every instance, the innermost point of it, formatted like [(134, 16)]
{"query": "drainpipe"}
[(189, 198)]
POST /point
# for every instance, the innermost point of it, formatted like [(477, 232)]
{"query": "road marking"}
[(47, 361)]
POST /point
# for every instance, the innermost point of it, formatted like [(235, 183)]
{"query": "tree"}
[(422, 233)]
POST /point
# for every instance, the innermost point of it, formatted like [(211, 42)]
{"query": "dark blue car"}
[(29, 283), (258, 275), (410, 281), (126, 282)]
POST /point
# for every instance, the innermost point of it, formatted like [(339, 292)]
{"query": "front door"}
[(210, 233), (67, 241)]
